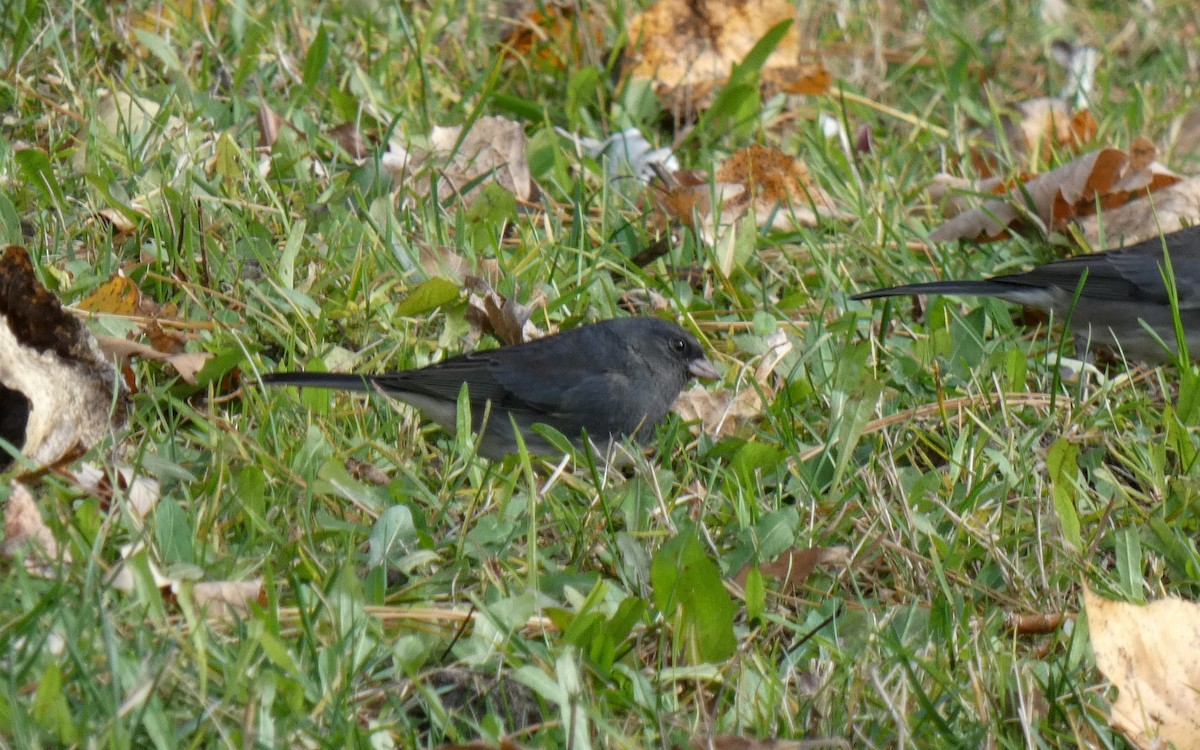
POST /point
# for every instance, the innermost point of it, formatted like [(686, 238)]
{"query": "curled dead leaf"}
[(1108, 179), (504, 317), (49, 357), (24, 530), (1169, 210), (141, 491), (218, 600), (493, 150), (187, 364)]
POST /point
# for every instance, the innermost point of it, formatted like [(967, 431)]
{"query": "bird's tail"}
[(342, 382), (986, 287)]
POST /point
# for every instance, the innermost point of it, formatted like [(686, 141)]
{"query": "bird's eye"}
[(679, 346)]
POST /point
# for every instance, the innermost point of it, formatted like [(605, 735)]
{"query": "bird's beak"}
[(703, 369)]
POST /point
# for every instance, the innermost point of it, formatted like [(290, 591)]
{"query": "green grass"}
[(999, 490)]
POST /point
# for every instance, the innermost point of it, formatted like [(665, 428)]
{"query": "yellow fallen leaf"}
[(1151, 653)]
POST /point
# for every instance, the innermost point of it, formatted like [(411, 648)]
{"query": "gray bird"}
[(1122, 288), (612, 379)]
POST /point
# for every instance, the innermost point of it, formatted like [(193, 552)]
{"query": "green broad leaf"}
[(522, 108), (219, 365), (688, 589), (492, 208), (286, 269), (392, 535), (756, 594), (10, 222), (1129, 563), (160, 49), (173, 533), (429, 294), (50, 707), (36, 168), (1063, 463), (317, 57), (776, 532), (228, 162), (757, 56)]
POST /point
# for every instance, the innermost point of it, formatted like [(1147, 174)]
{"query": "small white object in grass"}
[(625, 153), (1080, 62), (831, 127)]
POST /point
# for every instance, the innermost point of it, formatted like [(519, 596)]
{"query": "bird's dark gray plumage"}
[(612, 379), (1122, 288)]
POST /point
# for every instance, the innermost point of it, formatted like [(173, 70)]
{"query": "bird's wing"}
[(1133, 273), (540, 381)]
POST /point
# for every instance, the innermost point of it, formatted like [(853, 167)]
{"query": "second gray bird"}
[(1122, 288), (612, 379)]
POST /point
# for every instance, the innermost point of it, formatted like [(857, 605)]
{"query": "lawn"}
[(955, 483)]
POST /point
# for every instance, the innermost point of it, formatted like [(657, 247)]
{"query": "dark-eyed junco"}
[(1120, 289), (612, 379)]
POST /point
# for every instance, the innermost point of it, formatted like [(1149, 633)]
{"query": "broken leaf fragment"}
[(1151, 653), (492, 149), (775, 188), (26, 532), (52, 360), (687, 49), (1108, 179)]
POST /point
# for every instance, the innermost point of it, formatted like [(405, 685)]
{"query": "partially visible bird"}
[(613, 379), (1121, 288)]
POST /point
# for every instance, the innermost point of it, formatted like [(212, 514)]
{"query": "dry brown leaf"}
[(1050, 199), (350, 138), (165, 341), (366, 472), (1151, 654), (51, 358), (555, 34), (25, 530), (142, 492), (687, 196), (493, 150), (687, 49), (791, 569), (950, 195), (718, 413), (809, 79), (781, 190), (1031, 132), (117, 296), (268, 126), (1169, 210), (505, 318), (187, 364), (721, 412), (1034, 624), (217, 599), (120, 220), (223, 599), (1107, 179), (447, 263), (776, 187)]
